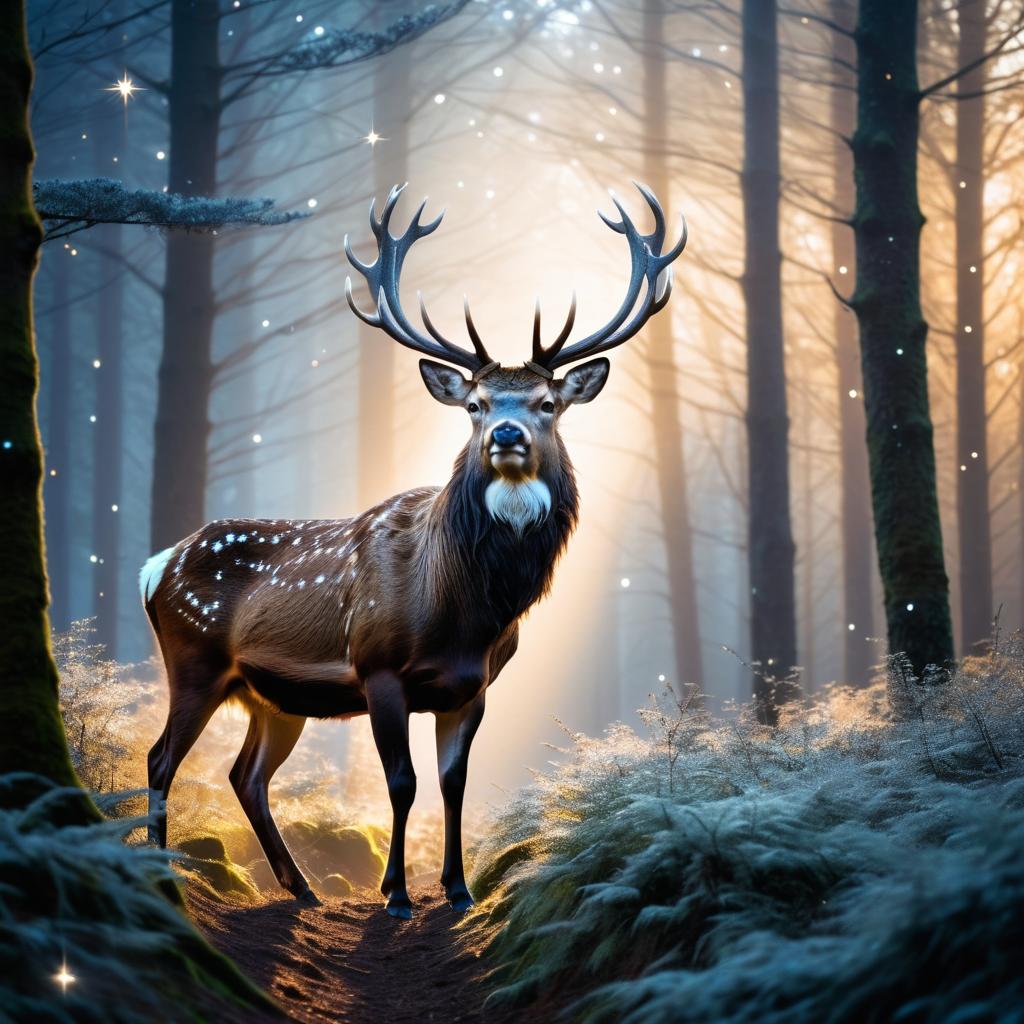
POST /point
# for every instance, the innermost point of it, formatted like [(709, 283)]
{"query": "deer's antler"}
[(649, 265), (382, 277)]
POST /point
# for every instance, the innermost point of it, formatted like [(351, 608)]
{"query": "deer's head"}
[(515, 411)]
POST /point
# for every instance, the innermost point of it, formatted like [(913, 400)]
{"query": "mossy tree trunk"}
[(186, 368), (973, 521), (887, 226), (666, 424), (32, 738), (771, 551), (855, 508)]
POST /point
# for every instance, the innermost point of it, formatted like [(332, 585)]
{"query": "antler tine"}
[(540, 353), (474, 335), (382, 278), (647, 266)]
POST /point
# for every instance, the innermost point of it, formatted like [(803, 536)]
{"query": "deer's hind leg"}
[(197, 689), (269, 741)]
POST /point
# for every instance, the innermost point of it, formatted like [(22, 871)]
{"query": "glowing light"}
[(974, 270), (851, 626), (489, 193), (161, 155), (311, 203), (598, 67), (94, 559), (974, 455), (599, 136), (910, 606), (899, 351), (963, 184), (265, 323), (113, 508), (53, 472), (92, 418), (96, 364), (373, 137), (126, 88), (257, 438), (624, 583), (298, 18), (508, 15), (853, 392), (319, 30), (842, 270), (661, 677), (8, 445), (64, 977), (440, 98), (315, 363), (968, 328), (498, 72)]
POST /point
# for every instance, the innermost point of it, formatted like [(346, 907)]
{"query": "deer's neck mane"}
[(485, 568)]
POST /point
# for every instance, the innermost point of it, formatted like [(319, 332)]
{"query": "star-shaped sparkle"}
[(126, 88), (373, 137)]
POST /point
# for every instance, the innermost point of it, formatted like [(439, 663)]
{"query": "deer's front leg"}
[(389, 719), (455, 732)]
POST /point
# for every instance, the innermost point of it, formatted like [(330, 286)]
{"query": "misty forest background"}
[(727, 509)]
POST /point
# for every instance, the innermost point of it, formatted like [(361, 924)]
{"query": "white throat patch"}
[(520, 503)]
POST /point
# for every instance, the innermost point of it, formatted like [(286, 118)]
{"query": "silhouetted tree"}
[(887, 225)]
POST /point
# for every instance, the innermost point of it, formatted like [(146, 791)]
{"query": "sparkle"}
[(624, 583), (64, 977), (373, 137), (126, 88)]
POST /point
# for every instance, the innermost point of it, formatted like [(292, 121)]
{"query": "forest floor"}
[(348, 961)]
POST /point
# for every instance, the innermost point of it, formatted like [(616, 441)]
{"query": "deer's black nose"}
[(507, 435)]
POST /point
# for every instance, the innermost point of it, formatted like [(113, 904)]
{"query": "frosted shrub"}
[(850, 865), (74, 896)]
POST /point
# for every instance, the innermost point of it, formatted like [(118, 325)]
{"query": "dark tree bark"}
[(58, 442), (33, 735), (666, 424), (973, 521), (185, 381), (887, 226), (855, 485), (108, 435), (770, 536), (375, 464)]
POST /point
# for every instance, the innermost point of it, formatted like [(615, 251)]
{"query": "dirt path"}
[(348, 961)]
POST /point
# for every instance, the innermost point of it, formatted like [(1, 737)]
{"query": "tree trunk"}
[(375, 466), (185, 381), (33, 735), (855, 484), (973, 520), (58, 442), (669, 441), (770, 536), (887, 226), (107, 434)]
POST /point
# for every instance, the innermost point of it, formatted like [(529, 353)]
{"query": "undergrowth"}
[(89, 929), (859, 863)]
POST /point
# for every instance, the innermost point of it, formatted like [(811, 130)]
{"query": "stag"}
[(414, 605)]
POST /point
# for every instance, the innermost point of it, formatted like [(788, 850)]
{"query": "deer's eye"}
[(547, 407), (473, 407)]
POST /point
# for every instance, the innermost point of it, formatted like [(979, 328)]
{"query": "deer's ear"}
[(583, 383), (445, 383)]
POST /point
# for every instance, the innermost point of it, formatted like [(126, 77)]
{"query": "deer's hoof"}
[(400, 907), (460, 901), (309, 898)]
